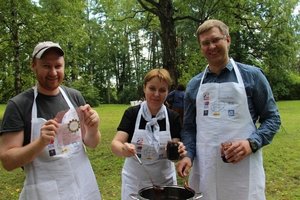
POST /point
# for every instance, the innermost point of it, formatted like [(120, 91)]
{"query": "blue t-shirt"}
[(176, 98)]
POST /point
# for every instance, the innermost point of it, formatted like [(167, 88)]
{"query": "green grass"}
[(281, 158)]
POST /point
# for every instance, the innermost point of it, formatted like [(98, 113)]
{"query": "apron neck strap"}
[(34, 107)]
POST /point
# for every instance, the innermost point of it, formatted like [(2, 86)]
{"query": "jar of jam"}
[(172, 150), (225, 146)]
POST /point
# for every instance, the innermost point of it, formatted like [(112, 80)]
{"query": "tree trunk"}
[(168, 37), (16, 45), (165, 11)]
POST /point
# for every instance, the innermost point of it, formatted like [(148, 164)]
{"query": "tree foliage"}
[(110, 44)]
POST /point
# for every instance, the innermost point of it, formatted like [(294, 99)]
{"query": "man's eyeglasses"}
[(215, 40)]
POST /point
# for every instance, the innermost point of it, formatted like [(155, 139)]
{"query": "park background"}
[(281, 157), (110, 44)]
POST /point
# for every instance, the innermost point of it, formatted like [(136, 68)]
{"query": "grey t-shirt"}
[(17, 115)]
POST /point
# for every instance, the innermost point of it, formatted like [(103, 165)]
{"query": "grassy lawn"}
[(281, 158)]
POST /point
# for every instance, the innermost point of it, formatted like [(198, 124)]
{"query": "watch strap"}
[(253, 145)]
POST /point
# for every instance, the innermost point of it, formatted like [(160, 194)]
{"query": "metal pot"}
[(173, 192)]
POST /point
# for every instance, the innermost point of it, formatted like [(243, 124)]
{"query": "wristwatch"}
[(253, 145)]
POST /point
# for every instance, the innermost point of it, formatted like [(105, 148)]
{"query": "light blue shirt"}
[(261, 103)]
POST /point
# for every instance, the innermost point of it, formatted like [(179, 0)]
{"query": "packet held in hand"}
[(71, 126)]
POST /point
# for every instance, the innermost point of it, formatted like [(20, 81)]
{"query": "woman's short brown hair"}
[(160, 73)]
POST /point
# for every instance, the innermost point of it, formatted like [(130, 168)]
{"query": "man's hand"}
[(48, 132), (183, 166), (91, 118), (237, 151)]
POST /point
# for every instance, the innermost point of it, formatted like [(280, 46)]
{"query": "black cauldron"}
[(173, 192)]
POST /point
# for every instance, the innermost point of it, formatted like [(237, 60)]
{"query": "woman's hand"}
[(128, 149)]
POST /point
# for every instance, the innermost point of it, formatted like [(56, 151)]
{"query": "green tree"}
[(15, 25), (111, 44)]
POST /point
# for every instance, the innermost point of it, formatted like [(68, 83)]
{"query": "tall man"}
[(44, 130), (222, 105)]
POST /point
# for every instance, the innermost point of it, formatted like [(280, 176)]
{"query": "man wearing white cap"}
[(44, 130)]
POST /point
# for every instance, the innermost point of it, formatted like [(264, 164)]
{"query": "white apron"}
[(59, 177), (160, 169), (223, 114)]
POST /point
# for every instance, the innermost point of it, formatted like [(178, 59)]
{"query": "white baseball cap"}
[(42, 47)]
